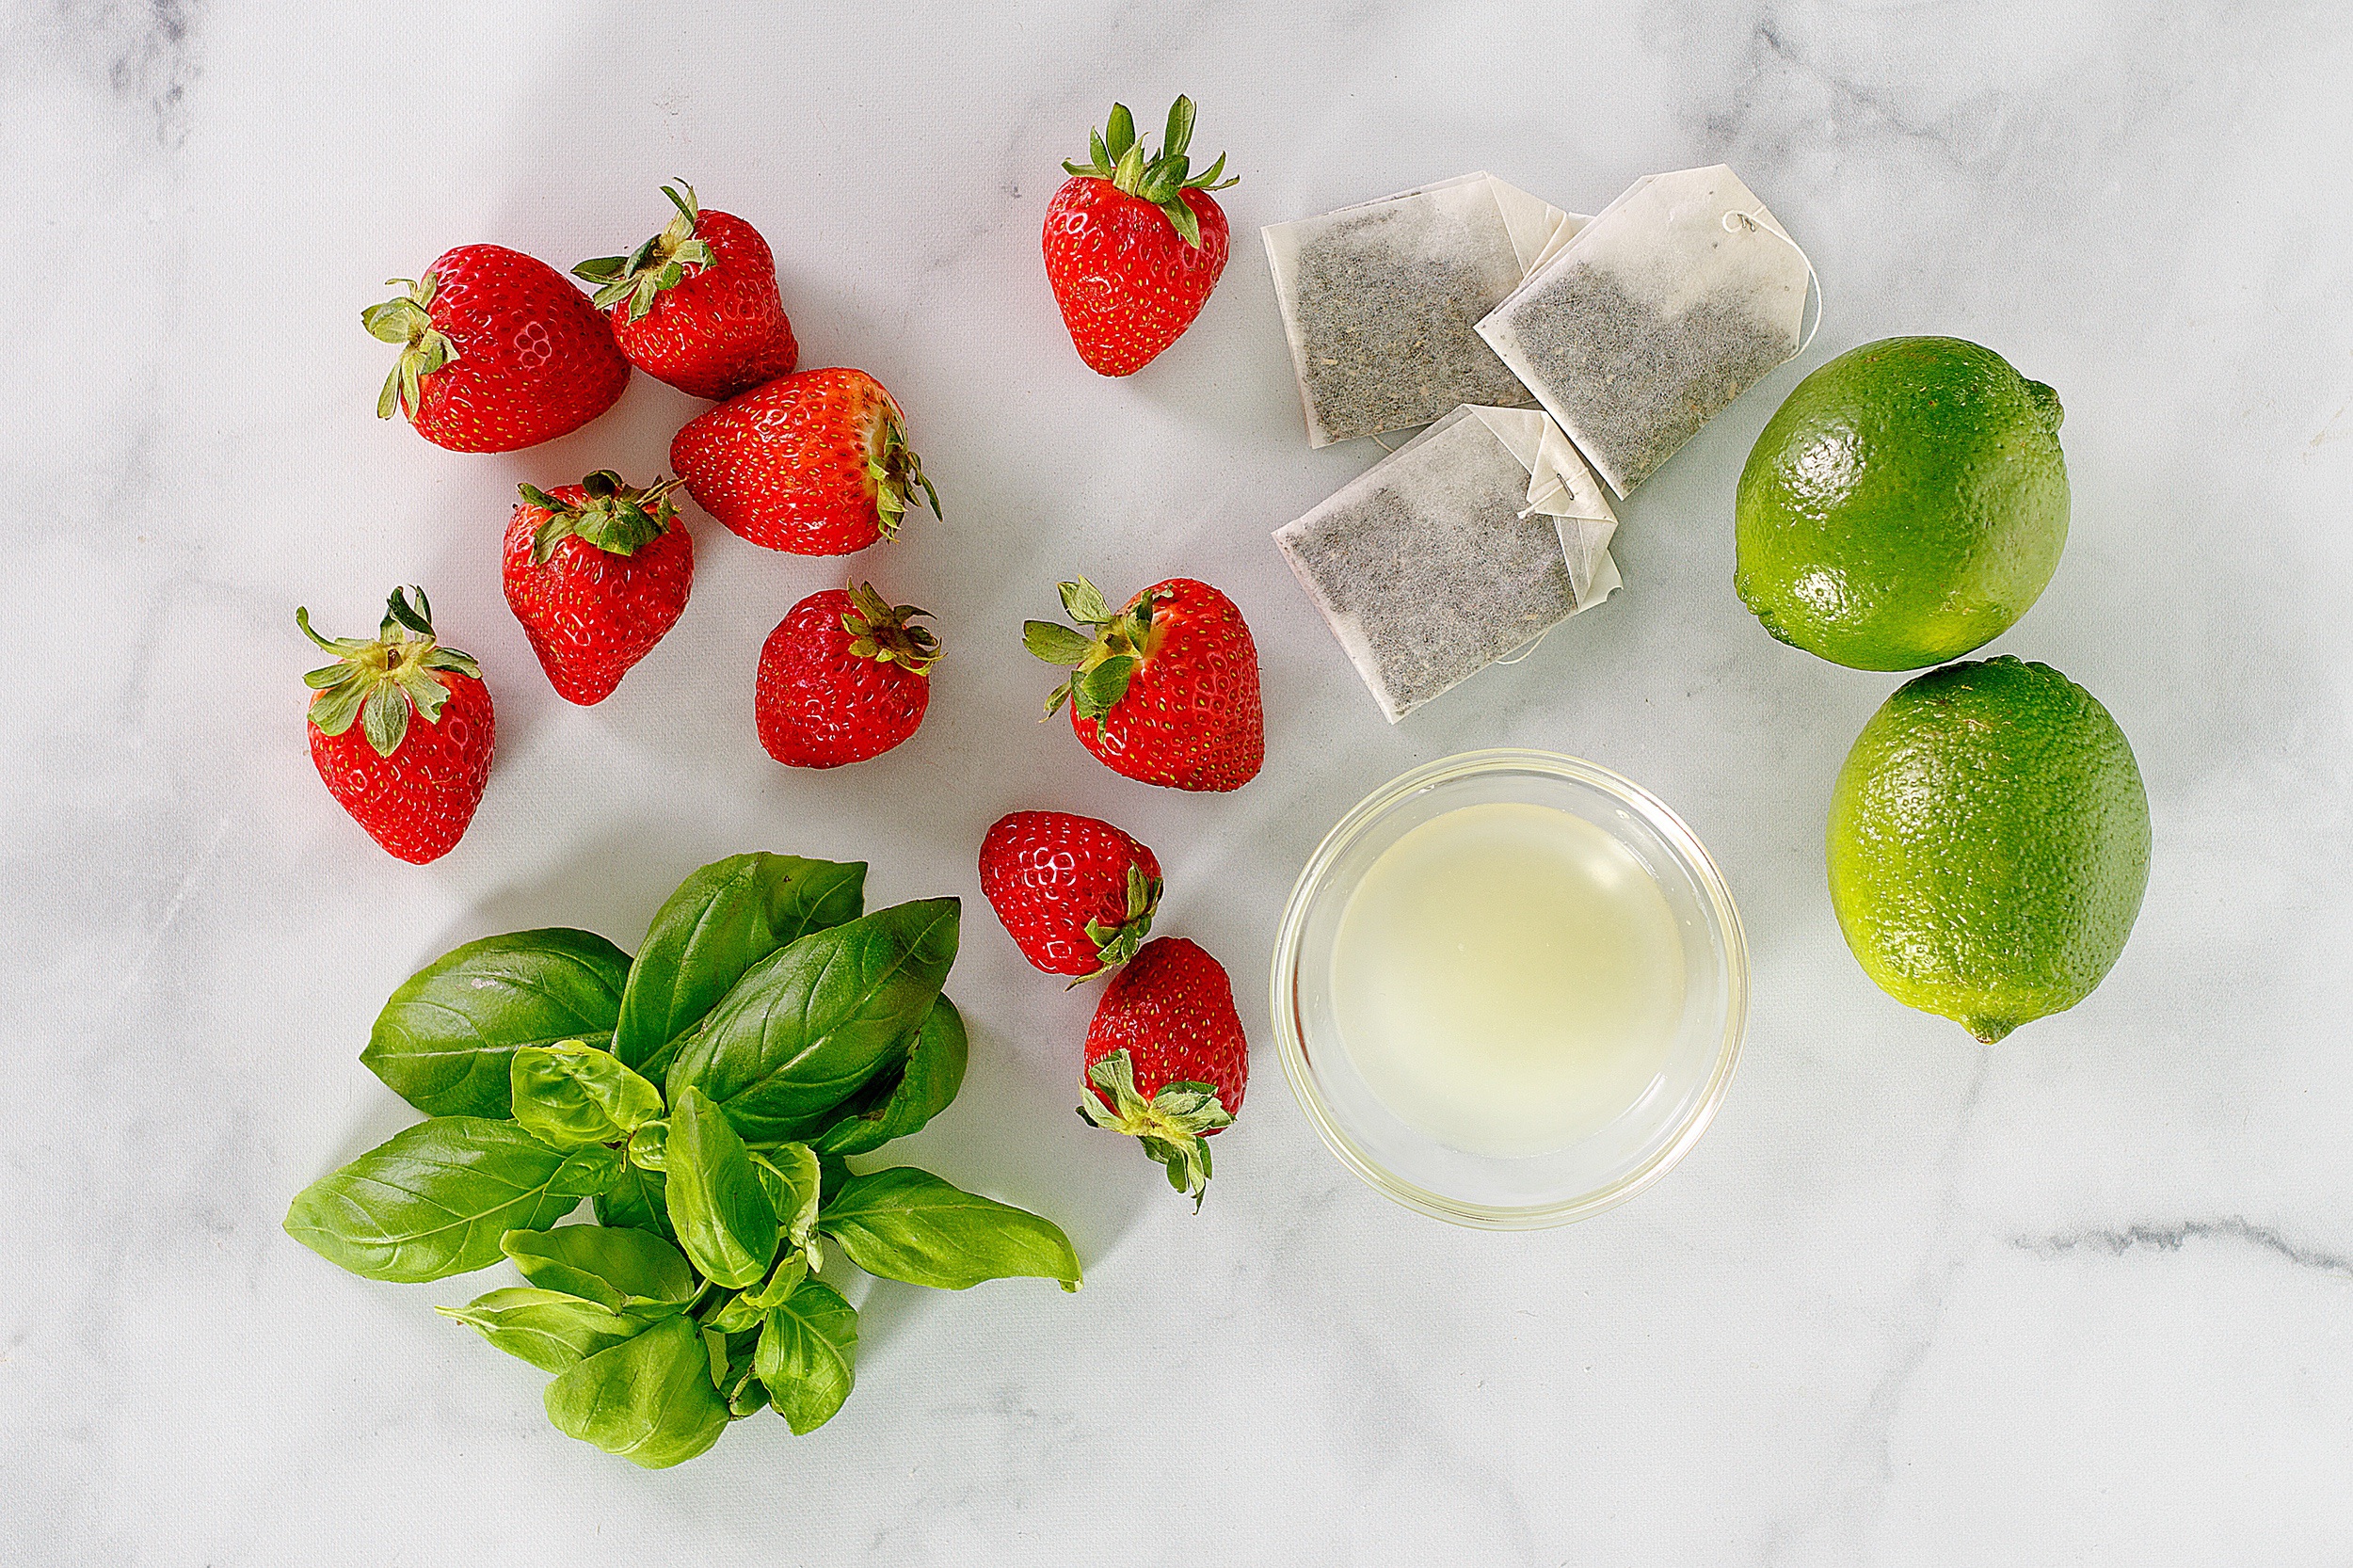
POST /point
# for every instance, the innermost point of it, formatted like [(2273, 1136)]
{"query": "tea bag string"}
[(1737, 221), (1521, 652)]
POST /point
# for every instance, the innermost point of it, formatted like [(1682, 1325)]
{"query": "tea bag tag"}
[(1562, 491)]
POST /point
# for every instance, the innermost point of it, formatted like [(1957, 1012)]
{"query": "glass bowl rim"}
[(1731, 941)]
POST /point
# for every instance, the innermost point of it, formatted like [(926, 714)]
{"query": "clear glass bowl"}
[(1610, 1164)]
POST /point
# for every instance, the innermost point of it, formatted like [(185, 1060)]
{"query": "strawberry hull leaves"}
[(693, 1300), (810, 1025), (446, 1040)]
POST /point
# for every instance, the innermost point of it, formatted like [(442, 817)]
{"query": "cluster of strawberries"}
[(499, 352)]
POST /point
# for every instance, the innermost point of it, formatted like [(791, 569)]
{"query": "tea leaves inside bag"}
[(1677, 298), (1382, 303), (1425, 569)]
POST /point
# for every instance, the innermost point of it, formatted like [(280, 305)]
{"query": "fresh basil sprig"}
[(436, 1198), (811, 1024), (704, 1096), (443, 1041), (906, 1223), (722, 919), (901, 1100), (719, 1207), (548, 1329), (571, 1093)]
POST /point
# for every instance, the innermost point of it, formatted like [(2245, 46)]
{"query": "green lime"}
[(1906, 505), (1989, 844)]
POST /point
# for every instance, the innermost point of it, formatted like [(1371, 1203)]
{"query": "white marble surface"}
[(2087, 1297)]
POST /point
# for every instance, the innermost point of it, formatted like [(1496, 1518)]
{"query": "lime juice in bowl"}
[(1508, 988)]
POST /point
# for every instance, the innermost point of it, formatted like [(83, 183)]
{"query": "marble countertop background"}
[(2087, 1297)]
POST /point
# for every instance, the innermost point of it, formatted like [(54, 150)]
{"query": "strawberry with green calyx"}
[(1076, 894), (1166, 689), (696, 305), (814, 464), (413, 786), (597, 573), (845, 676), (497, 352), (1167, 1059), (1135, 243)]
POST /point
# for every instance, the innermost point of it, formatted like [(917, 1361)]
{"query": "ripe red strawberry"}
[(412, 786), (696, 305), (1075, 893), (497, 352), (842, 677), (598, 573), (1166, 690), (1134, 244), (816, 464), (1166, 1060)]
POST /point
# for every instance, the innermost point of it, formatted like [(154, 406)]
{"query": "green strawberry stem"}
[(407, 320), (882, 632), (656, 264), (1172, 1125), (1116, 155), (1116, 944), (378, 682), (897, 473), (616, 518), (1102, 657)]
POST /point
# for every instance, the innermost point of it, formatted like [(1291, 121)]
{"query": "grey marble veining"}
[(2080, 1297)]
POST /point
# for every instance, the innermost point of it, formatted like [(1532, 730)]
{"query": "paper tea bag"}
[(1381, 301), (1671, 302), (1470, 540)]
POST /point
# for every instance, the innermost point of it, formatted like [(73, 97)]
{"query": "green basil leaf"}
[(779, 1286), (721, 921), (443, 1041), (746, 1310), (810, 1025), (718, 1206), (792, 1178), (548, 1329), (908, 1224), (636, 1200), (648, 1146), (807, 1355), (570, 1094), (899, 1103), (715, 1356), (618, 1268), (434, 1200), (649, 1399), (745, 1393)]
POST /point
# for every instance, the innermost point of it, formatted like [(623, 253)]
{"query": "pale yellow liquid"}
[(1507, 978)]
